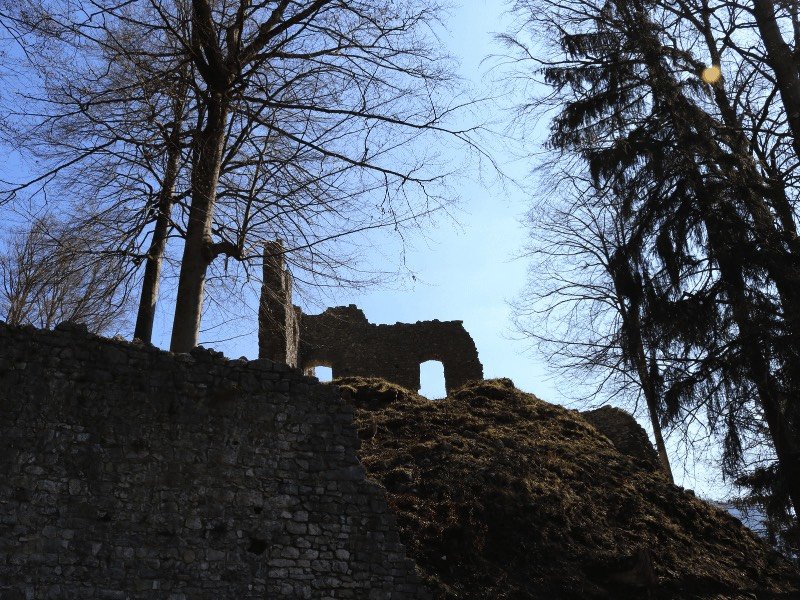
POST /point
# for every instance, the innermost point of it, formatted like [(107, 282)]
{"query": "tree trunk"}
[(783, 63), (651, 399), (197, 253), (632, 329), (155, 255)]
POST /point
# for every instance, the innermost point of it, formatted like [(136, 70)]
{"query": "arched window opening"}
[(431, 378), (323, 373)]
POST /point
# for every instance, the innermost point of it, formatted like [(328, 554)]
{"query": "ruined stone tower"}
[(278, 328), (343, 339)]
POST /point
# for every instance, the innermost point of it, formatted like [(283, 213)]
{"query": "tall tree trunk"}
[(652, 401), (632, 330), (783, 63), (155, 255), (772, 399), (197, 250)]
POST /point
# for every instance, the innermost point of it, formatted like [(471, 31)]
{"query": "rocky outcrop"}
[(501, 495), (625, 433)]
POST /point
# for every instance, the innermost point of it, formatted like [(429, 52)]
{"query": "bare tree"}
[(48, 275), (308, 121), (107, 120), (316, 74), (782, 56), (163, 224), (583, 303)]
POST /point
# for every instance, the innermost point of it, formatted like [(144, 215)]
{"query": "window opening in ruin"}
[(431, 378), (323, 373)]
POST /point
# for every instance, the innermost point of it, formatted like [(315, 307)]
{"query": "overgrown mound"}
[(501, 495)]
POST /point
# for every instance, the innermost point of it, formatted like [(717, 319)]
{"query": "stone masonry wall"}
[(625, 433), (344, 340), (128, 472)]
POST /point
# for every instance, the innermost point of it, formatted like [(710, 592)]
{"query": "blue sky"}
[(466, 270)]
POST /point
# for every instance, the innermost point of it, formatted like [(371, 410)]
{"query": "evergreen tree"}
[(712, 258)]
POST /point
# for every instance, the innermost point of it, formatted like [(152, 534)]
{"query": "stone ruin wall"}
[(622, 429), (341, 338), (344, 340), (129, 472)]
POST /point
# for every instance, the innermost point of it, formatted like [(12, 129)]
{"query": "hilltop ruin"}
[(343, 339)]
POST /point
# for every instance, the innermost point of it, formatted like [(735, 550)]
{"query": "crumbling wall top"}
[(349, 313)]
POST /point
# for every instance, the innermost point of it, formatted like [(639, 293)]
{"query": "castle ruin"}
[(343, 339), (278, 318)]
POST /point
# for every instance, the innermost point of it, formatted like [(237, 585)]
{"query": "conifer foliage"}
[(693, 185)]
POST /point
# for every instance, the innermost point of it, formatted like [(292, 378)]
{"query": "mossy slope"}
[(500, 495)]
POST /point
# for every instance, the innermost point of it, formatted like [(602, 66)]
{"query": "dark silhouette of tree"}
[(315, 74), (701, 174), (781, 56)]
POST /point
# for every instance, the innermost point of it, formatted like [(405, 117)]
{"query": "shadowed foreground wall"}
[(127, 472)]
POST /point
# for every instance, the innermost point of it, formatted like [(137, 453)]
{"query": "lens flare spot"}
[(711, 74)]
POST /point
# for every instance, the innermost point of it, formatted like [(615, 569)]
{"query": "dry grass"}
[(500, 495)]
